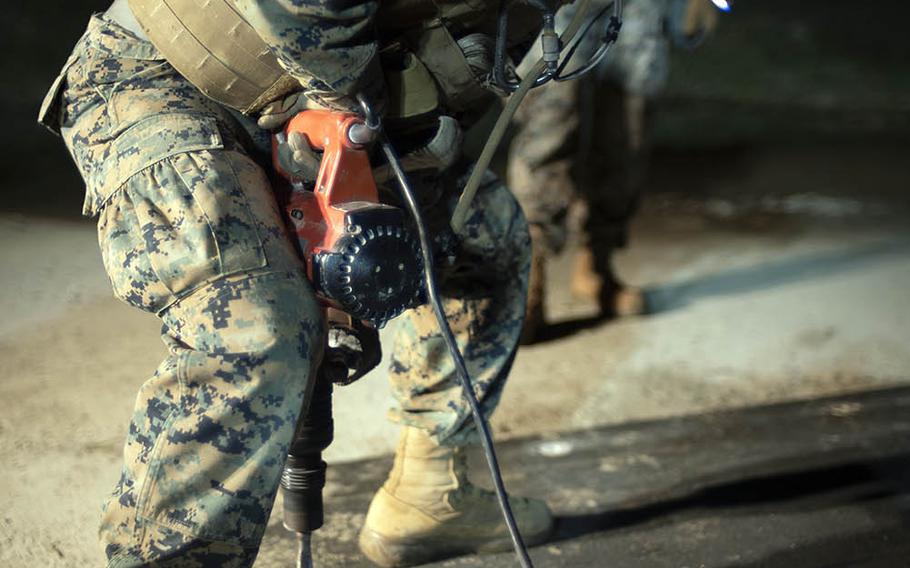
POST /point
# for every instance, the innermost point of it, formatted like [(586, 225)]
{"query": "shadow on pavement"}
[(567, 328), (810, 484), (770, 275), (809, 490)]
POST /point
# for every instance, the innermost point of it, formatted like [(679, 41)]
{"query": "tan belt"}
[(213, 47), (220, 53)]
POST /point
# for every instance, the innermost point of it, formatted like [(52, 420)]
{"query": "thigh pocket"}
[(182, 222), (196, 222), (123, 252)]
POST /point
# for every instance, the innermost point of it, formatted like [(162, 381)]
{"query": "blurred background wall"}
[(822, 70)]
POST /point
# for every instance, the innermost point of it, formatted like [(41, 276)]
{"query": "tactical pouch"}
[(411, 89), (458, 83)]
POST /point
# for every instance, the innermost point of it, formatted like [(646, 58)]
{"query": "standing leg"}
[(611, 172), (484, 296), (189, 230), (427, 508), (211, 428), (614, 151), (541, 160)]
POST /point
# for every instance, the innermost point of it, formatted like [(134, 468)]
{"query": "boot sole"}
[(398, 553)]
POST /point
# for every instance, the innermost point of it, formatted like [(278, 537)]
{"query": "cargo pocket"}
[(123, 253), (195, 221), (50, 115), (179, 222)]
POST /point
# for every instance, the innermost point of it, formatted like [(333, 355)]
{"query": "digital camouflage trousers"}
[(189, 229)]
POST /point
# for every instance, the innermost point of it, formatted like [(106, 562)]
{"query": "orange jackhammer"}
[(365, 266), (362, 256), (368, 263), (367, 260)]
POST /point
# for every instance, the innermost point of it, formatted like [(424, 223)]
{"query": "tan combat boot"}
[(427, 509), (537, 285), (615, 298)]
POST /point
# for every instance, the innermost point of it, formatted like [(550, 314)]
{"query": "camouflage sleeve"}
[(327, 45)]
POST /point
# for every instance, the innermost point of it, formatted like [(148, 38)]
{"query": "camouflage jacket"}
[(329, 46)]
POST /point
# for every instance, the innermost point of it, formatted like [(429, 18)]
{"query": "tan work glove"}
[(294, 155), (700, 18), (297, 158), (276, 113)]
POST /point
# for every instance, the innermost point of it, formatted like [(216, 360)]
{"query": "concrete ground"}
[(817, 484), (775, 273)]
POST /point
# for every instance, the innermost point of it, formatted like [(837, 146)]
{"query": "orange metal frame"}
[(345, 176)]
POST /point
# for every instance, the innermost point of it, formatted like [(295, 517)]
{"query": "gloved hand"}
[(276, 113), (353, 350), (700, 19), (297, 158)]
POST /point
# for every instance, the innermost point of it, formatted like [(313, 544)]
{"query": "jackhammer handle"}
[(304, 472)]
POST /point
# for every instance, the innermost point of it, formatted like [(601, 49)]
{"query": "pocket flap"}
[(49, 114), (143, 144)]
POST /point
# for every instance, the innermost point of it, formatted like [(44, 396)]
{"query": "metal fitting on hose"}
[(501, 76), (551, 46)]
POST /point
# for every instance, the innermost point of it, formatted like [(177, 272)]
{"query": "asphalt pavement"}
[(817, 484)]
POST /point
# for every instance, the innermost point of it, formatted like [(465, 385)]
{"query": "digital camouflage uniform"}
[(190, 230), (575, 140)]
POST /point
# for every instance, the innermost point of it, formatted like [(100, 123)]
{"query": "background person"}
[(584, 143)]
